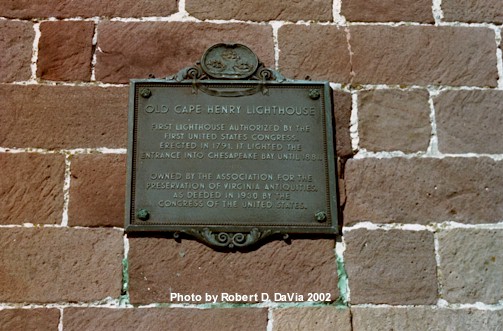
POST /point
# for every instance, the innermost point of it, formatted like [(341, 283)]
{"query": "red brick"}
[(387, 11), (472, 11), (55, 117), (342, 115), (39, 319), (31, 188), (65, 51), (16, 46), (168, 47), (159, 266), (424, 55), (391, 267), (97, 190), (311, 318), (424, 190), (42, 265), (173, 319)]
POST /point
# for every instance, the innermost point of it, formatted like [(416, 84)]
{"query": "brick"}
[(39, 319), (394, 120), (399, 190), (16, 45), (321, 54), (65, 51), (422, 318), (423, 55), (97, 190), (173, 319), (159, 266), (261, 10), (472, 11), (469, 121), (310, 318), (41, 265), (55, 117), (471, 265), (342, 115), (31, 188), (387, 11), (168, 47), (391, 267), (86, 8)]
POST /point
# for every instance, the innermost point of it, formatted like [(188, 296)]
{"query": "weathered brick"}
[(392, 267), (16, 45), (65, 50), (56, 117), (159, 266), (468, 190), (425, 318), (97, 190), (342, 115), (424, 55), (60, 264), (167, 47), (39, 319), (387, 10), (471, 11), (261, 10), (470, 121), (86, 8), (394, 120), (173, 319), (471, 265), (320, 54), (31, 188), (311, 318)]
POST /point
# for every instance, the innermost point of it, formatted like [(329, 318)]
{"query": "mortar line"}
[(353, 123), (34, 54), (433, 145), (73, 151), (499, 59), (440, 280), (431, 227), (437, 11), (124, 300), (270, 319), (336, 12), (276, 25), (94, 58), (66, 190), (343, 282), (60, 323)]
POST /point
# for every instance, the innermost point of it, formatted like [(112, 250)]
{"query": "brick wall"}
[(419, 104)]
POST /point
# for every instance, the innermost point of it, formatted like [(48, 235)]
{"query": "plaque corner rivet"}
[(321, 216), (314, 94), (143, 214), (145, 92)]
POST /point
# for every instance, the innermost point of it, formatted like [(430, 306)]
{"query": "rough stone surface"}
[(309, 318), (426, 318), (391, 267), (469, 121), (471, 265), (16, 45), (65, 51), (320, 54), (394, 120), (342, 115), (55, 117), (86, 8), (387, 11), (42, 265), (97, 190), (471, 11), (399, 190), (31, 188), (39, 319), (261, 10), (167, 47), (158, 267), (424, 55), (173, 319)]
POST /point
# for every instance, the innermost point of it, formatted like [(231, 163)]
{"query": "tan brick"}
[(173, 319), (394, 120), (471, 265), (321, 53), (60, 264), (16, 45), (261, 10), (392, 267), (65, 51), (469, 121), (342, 115), (471, 11), (97, 190), (168, 47), (31, 188), (311, 318), (468, 190), (424, 55), (158, 267), (55, 117), (39, 319), (387, 10)]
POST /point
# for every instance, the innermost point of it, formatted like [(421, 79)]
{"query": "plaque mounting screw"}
[(321, 216), (145, 92), (143, 214), (314, 94)]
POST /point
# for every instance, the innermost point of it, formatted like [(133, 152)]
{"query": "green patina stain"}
[(342, 284), (124, 298)]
